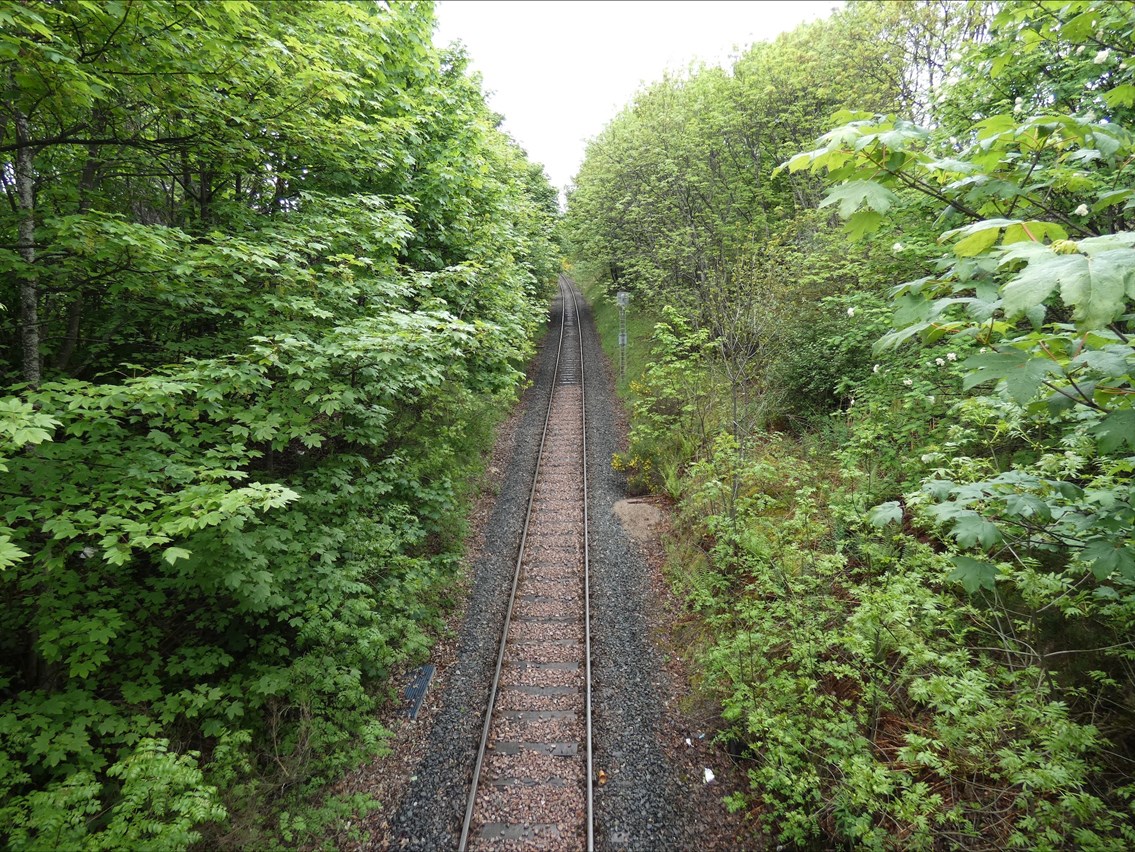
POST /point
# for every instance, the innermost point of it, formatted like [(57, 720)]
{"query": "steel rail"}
[(586, 580), (565, 291)]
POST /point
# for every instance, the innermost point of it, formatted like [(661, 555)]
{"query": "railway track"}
[(532, 781)]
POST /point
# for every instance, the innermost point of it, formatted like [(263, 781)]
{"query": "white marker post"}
[(623, 298)]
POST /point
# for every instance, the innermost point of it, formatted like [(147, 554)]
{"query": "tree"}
[(274, 270), (1036, 273)]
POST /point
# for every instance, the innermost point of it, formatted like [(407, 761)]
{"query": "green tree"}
[(1040, 273), (271, 269)]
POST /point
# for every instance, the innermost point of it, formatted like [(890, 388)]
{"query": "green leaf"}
[(864, 222), (172, 554), (1022, 373), (974, 574), (971, 529), (1099, 292), (1034, 231), (1092, 246), (885, 513), (1036, 282), (800, 161), (977, 243), (1112, 361), (855, 193), (1108, 557), (1115, 430), (9, 553), (1112, 197), (995, 125), (893, 339), (1120, 96)]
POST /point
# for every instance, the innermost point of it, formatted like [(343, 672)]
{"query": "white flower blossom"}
[(951, 356), (851, 312), (897, 247), (1079, 50), (1102, 57), (908, 382), (941, 362), (1082, 210), (875, 369), (982, 351), (930, 399)]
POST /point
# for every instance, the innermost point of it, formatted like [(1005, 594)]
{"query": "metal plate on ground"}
[(415, 693)]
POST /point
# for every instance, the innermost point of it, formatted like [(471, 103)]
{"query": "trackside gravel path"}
[(646, 801)]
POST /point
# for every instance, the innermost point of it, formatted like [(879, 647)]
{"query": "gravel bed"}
[(650, 794), (540, 609), (521, 630), (541, 677), (550, 731), (551, 588), (550, 571), (645, 807), (516, 699), (432, 806), (543, 652)]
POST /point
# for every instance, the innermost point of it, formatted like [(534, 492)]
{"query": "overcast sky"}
[(559, 70)]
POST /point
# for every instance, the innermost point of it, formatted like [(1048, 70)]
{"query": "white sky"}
[(559, 70)]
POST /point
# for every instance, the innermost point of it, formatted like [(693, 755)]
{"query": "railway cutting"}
[(532, 781)]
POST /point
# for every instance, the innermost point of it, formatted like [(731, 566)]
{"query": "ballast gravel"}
[(646, 800), (643, 806)]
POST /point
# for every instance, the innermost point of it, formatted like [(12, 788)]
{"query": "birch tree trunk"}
[(29, 288)]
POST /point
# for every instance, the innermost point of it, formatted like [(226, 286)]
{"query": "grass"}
[(640, 332)]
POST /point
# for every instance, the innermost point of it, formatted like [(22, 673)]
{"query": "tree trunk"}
[(88, 183), (29, 288)]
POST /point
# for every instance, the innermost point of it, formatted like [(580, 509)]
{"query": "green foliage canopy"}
[(270, 270)]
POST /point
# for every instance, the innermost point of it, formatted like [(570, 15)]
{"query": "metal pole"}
[(623, 298)]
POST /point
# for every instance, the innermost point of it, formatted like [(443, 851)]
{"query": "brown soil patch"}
[(643, 521)]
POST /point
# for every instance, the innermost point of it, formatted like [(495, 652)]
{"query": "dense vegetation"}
[(269, 270), (890, 390)]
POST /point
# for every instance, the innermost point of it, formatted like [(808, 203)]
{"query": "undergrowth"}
[(871, 700)]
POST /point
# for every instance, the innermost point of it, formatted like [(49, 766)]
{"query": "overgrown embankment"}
[(271, 271), (911, 564)]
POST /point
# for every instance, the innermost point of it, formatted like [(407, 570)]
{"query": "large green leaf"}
[(1022, 372), (864, 222), (1099, 291), (856, 193), (1036, 282), (977, 242), (971, 529), (1110, 557), (1115, 430), (885, 513), (1097, 286), (974, 574)]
